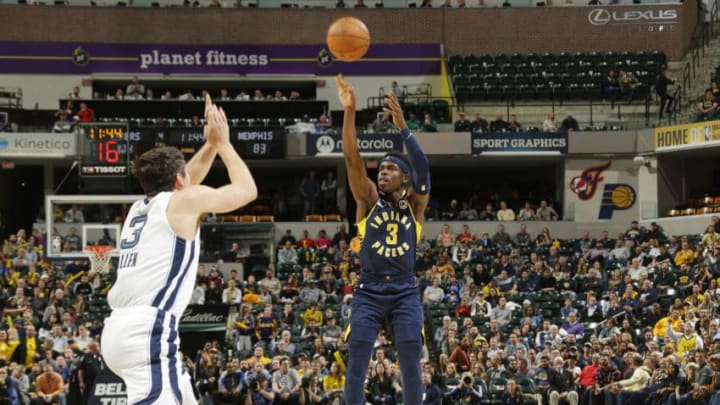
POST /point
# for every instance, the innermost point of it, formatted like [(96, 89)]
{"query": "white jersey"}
[(157, 267)]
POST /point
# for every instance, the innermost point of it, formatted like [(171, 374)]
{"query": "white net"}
[(99, 258)]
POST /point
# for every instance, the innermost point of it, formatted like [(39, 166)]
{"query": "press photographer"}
[(465, 392), (311, 393)]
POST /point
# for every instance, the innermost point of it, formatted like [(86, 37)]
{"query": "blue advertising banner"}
[(83, 58), (509, 142), (330, 144)]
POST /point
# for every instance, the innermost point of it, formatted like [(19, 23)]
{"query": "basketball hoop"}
[(99, 256)]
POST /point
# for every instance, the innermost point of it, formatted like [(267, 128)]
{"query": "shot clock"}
[(104, 149)]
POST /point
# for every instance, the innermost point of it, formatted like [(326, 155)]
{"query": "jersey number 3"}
[(136, 226), (392, 230)]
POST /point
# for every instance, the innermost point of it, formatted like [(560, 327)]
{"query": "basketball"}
[(348, 39)]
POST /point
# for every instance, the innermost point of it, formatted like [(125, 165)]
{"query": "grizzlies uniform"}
[(386, 291), (156, 276)]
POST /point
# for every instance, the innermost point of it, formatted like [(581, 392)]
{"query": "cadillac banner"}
[(83, 58), (510, 142), (330, 144)]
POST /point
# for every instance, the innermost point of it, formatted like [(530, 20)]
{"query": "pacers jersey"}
[(156, 267), (389, 237)]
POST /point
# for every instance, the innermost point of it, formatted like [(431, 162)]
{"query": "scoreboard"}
[(104, 150)]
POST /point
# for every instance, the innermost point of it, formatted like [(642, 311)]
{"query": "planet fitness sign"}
[(84, 58)]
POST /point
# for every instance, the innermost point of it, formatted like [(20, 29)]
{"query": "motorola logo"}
[(325, 144)]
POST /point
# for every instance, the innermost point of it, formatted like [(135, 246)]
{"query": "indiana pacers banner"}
[(604, 190), (698, 134)]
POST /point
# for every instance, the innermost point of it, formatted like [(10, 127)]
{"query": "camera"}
[(253, 383), (306, 383), (467, 380)]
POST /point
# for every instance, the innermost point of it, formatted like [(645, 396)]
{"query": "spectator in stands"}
[(463, 124), (479, 124), (287, 255), (398, 91), (499, 125), (75, 93), (527, 213), (708, 107), (429, 124), (167, 96), (546, 212), (550, 124), (610, 86), (49, 388), (85, 113), (505, 213), (294, 95), (627, 82), (135, 90), (382, 123), (186, 96), (661, 85), (63, 124), (569, 124), (232, 294), (488, 214), (310, 190), (413, 123), (468, 212), (514, 125), (279, 96)]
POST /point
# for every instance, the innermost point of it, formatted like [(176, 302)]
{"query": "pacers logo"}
[(586, 184), (616, 197), (390, 222)]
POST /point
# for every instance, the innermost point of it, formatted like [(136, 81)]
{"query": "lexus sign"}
[(601, 16)]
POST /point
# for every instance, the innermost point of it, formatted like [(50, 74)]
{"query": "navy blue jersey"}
[(389, 238)]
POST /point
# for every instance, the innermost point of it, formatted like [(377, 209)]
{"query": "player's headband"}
[(394, 159)]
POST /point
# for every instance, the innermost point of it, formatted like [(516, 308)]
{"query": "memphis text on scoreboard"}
[(676, 137)]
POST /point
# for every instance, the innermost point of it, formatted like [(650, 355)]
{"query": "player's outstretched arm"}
[(200, 164), (363, 189), (198, 199), (419, 161)]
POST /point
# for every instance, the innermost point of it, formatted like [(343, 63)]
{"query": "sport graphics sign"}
[(331, 144), (615, 179), (602, 16), (482, 142), (676, 137)]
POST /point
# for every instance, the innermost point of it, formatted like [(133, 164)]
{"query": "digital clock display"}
[(104, 150)]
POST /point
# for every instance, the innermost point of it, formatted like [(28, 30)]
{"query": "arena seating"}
[(561, 76)]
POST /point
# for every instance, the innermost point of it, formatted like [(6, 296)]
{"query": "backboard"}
[(73, 221)]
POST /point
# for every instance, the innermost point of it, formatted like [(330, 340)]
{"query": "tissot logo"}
[(601, 16)]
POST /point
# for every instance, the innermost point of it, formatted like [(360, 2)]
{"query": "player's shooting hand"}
[(217, 131), (393, 108), (346, 93)]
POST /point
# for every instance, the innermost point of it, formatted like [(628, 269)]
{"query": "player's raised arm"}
[(195, 200), (363, 189), (200, 164), (419, 161)]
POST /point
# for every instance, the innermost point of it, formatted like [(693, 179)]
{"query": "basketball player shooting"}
[(389, 218), (159, 249)]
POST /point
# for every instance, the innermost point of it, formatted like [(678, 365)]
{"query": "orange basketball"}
[(348, 39)]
